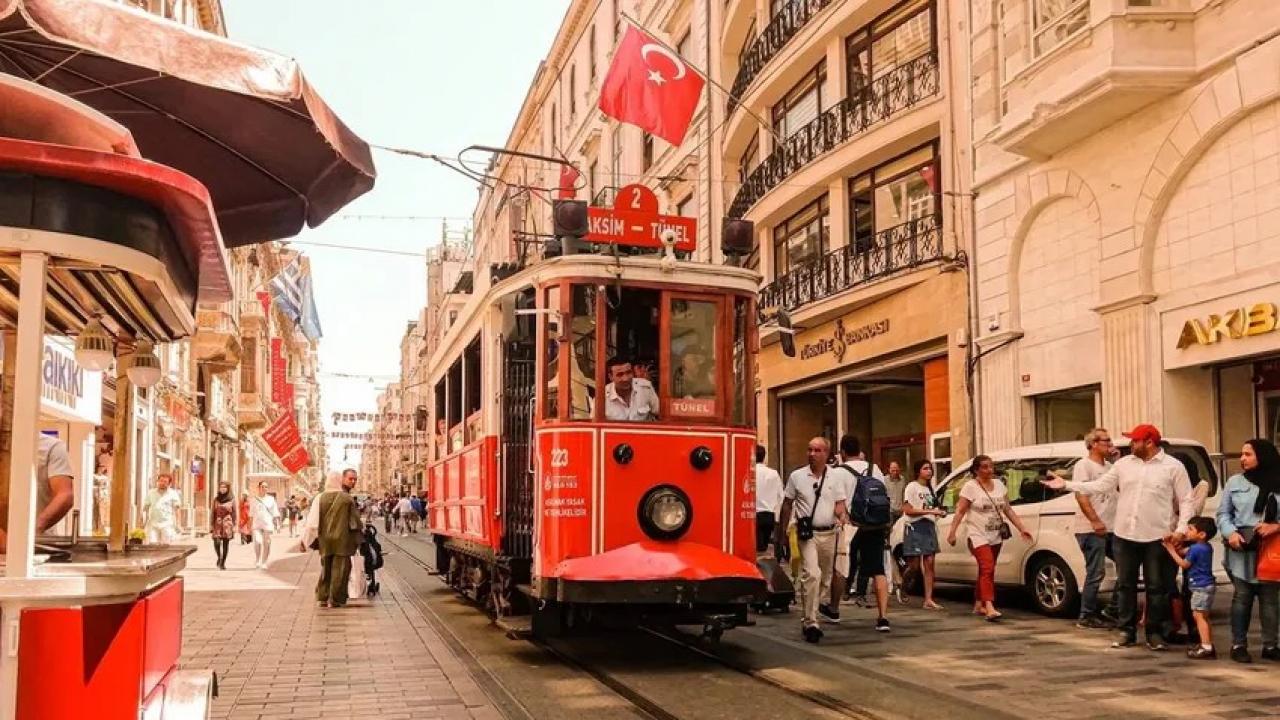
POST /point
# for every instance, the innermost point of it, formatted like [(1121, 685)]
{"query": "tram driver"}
[(627, 397)]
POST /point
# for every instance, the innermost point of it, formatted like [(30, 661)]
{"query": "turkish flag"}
[(568, 182), (651, 87)]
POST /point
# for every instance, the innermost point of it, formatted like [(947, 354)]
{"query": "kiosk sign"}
[(634, 220)]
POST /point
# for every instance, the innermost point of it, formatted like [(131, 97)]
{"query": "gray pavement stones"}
[(279, 656)]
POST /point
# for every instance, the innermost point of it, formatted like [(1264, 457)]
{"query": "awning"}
[(243, 121)]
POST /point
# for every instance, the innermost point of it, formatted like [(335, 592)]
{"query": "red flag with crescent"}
[(650, 86)]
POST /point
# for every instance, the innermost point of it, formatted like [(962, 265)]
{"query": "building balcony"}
[(216, 343), (890, 251), (252, 317), (1087, 72), (893, 93), (781, 29), (251, 412)]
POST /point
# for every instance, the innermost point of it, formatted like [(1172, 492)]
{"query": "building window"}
[(777, 6), (573, 92), (616, 149), (686, 208), (1053, 22), (897, 192), (749, 159), (591, 55), (591, 179), (647, 147), (892, 40), (1066, 416), (554, 144), (801, 238), (802, 104)]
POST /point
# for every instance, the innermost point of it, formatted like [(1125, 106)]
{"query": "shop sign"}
[(278, 368), (179, 413), (68, 390), (841, 338), (1236, 323)]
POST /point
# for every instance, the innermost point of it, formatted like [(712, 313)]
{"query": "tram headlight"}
[(665, 512)]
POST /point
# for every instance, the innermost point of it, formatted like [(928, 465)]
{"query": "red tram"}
[(595, 459)]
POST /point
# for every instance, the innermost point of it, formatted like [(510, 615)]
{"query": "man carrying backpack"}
[(870, 512)]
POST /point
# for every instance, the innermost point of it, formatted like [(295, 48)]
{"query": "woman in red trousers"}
[(982, 508)]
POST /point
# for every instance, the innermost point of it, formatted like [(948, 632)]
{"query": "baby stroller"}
[(371, 551)]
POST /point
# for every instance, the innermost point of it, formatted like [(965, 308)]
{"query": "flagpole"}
[(778, 139)]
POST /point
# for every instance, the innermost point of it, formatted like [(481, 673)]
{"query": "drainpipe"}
[(973, 379)]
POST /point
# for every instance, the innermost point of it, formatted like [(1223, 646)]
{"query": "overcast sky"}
[(432, 75)]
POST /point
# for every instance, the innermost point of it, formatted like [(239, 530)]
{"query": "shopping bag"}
[(359, 582), (1269, 559)]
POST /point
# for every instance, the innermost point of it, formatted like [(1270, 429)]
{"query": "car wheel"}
[(1052, 586)]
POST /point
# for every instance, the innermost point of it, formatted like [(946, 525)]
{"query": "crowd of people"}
[(400, 512), (833, 517)]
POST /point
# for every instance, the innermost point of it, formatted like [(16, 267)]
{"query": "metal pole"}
[(120, 469), (28, 379)]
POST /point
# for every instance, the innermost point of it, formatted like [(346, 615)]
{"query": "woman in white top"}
[(982, 508), (920, 541)]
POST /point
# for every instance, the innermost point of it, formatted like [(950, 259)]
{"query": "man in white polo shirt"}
[(1151, 484), (821, 504)]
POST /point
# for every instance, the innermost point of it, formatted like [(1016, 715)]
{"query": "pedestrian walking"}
[(419, 512), (768, 500), (896, 483), (818, 505), (856, 463), (388, 513), (982, 509), (1094, 519), (223, 527), (246, 522), (264, 513), (334, 528), (405, 514), (1195, 556), (871, 514), (1247, 513), (291, 515), (1151, 484), (160, 511), (920, 538)]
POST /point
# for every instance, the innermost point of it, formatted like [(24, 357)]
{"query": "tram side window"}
[(693, 358), (551, 406), (471, 409), (442, 423), (631, 339), (582, 362), (741, 379), (455, 440)]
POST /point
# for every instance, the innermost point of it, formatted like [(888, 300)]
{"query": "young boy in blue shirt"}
[(1196, 558)]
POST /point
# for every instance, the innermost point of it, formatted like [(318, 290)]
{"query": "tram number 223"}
[(559, 457)]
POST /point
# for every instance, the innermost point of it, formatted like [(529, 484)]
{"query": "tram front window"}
[(693, 357), (632, 339)]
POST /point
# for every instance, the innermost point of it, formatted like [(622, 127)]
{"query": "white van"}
[(1051, 567)]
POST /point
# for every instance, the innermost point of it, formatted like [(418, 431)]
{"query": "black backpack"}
[(869, 507)]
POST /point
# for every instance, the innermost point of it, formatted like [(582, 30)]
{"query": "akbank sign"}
[(69, 392)]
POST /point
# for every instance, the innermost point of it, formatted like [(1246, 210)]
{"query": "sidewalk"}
[(278, 655)]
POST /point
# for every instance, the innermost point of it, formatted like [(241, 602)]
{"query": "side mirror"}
[(787, 334)]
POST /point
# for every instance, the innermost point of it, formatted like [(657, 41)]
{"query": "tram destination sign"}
[(634, 220)]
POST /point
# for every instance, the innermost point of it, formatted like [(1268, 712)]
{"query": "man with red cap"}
[(1150, 485)]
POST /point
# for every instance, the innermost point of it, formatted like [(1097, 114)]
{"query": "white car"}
[(1051, 567)]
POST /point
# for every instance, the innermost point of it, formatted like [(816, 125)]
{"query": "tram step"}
[(516, 626)]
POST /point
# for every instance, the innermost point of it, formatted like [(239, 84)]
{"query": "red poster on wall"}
[(277, 371), (265, 298)]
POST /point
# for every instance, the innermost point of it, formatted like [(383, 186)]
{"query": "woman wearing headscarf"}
[(223, 527), (1247, 514)]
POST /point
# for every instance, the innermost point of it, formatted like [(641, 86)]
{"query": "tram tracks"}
[(640, 679)]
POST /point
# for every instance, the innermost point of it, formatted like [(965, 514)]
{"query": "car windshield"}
[(1022, 479)]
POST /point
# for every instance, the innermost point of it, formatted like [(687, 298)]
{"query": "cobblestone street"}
[(279, 656)]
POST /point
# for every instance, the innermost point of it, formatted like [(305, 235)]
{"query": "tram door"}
[(517, 417)]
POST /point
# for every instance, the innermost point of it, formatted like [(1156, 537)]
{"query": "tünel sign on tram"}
[(634, 220)]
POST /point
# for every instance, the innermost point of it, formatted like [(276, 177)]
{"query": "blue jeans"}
[(1268, 596), (1094, 548)]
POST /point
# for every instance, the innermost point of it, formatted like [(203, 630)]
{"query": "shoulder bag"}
[(1006, 532), (804, 525)]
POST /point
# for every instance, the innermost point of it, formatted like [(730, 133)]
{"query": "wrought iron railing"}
[(901, 247), (781, 28), (891, 93)]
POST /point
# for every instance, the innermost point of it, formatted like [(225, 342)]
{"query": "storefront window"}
[(582, 363), (693, 358)]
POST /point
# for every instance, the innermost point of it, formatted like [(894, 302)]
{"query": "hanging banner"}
[(296, 460), (283, 436), (264, 298), (278, 380)]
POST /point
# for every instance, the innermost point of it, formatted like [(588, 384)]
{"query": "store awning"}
[(243, 121)]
